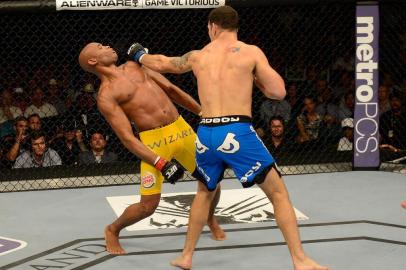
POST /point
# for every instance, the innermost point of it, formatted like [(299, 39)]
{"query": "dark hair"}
[(36, 134), (34, 115), (396, 94), (226, 17), (19, 119), (277, 117)]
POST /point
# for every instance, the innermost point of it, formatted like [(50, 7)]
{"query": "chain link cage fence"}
[(45, 93), (392, 90)]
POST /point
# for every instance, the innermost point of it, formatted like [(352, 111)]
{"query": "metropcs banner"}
[(366, 114), (135, 4)]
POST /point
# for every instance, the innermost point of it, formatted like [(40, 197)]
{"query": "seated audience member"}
[(392, 124), (13, 145), (70, 145), (328, 107), (384, 99), (346, 109), (39, 106), (98, 152), (8, 112), (39, 155), (309, 121), (20, 97), (345, 143), (270, 108), (295, 99), (54, 96), (34, 122), (86, 110), (275, 139)]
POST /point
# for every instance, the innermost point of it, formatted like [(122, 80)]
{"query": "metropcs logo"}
[(366, 127)]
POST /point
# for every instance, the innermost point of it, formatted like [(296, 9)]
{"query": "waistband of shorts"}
[(224, 120), (179, 118)]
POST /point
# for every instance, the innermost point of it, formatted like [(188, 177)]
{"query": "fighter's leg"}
[(217, 232), (276, 191), (131, 215), (187, 157), (150, 189), (199, 213)]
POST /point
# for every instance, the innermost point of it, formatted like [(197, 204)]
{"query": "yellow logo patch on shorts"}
[(148, 180)]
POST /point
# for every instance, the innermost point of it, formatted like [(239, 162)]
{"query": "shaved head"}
[(88, 53)]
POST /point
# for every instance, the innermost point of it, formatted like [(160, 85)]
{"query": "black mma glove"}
[(172, 171), (136, 52)]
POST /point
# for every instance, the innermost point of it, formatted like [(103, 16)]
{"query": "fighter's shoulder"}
[(105, 93), (250, 48), (192, 55)]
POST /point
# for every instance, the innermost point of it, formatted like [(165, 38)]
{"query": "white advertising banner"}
[(135, 4), (235, 206)]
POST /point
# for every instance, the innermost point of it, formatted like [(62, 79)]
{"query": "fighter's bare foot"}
[(309, 264), (217, 232), (112, 243), (182, 262)]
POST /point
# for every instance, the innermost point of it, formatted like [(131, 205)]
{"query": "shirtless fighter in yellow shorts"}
[(130, 92)]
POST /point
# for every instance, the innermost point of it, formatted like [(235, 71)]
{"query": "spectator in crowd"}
[(271, 107), (294, 98), (323, 92), (39, 106), (346, 84), (328, 107), (13, 145), (98, 152), (309, 121), (86, 100), (345, 143), (70, 145), (384, 100), (344, 62), (8, 112), (86, 110), (393, 124), (54, 97), (39, 155), (275, 139), (346, 109), (34, 122), (20, 98)]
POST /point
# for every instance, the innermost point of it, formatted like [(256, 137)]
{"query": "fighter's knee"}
[(148, 209), (149, 206)]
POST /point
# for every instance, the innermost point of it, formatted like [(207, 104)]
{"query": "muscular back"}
[(140, 97), (225, 77)]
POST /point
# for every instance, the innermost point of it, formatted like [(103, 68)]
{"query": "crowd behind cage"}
[(43, 122)]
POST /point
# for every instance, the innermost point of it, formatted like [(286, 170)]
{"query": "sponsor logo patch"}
[(148, 180)]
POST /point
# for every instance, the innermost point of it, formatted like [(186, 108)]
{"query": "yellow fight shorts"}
[(176, 140)]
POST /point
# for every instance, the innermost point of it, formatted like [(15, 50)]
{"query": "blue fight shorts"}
[(231, 141)]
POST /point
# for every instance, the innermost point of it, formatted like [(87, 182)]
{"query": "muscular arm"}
[(266, 78), (175, 93), (165, 64), (122, 127)]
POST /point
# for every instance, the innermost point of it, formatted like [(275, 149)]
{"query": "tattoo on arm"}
[(182, 61)]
